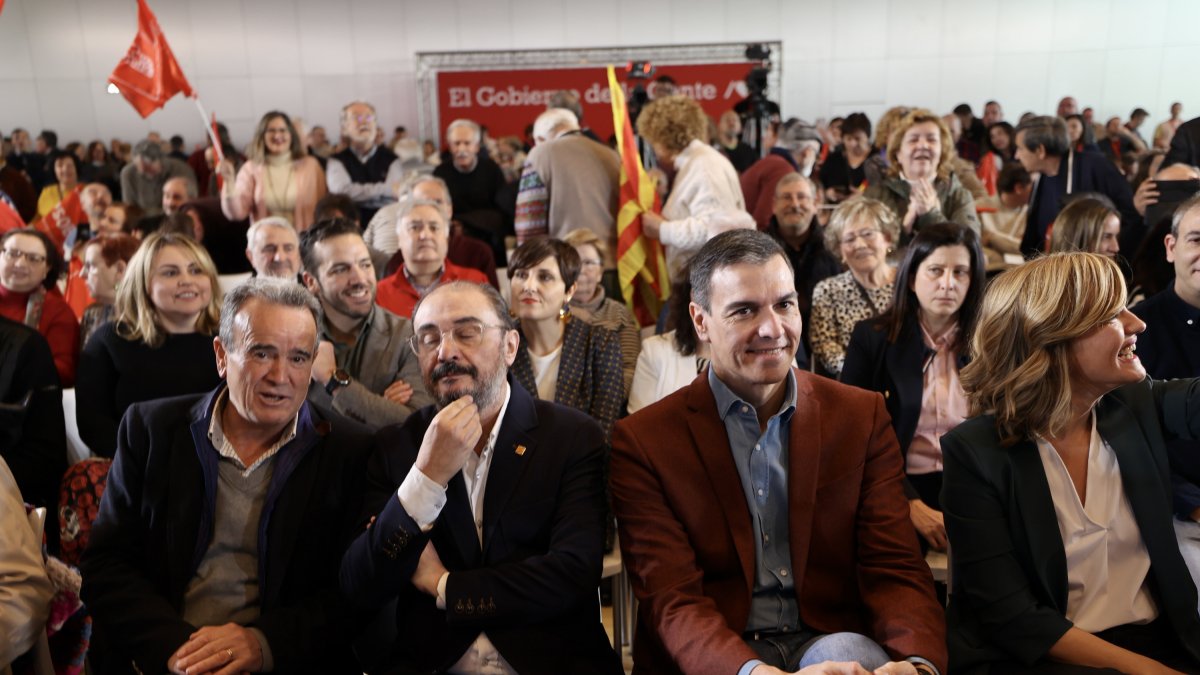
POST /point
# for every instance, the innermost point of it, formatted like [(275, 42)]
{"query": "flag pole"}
[(218, 151)]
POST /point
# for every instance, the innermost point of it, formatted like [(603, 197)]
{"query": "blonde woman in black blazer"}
[(1060, 399)]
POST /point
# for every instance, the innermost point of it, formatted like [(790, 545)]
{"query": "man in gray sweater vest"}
[(226, 514)]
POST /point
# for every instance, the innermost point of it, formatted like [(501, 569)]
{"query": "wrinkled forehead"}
[(272, 234), (447, 305), (423, 214)]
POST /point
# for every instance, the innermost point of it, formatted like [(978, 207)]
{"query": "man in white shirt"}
[(493, 541)]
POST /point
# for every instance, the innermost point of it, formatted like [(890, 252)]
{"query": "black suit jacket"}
[(1168, 349), (894, 369), (33, 437), (155, 524), (1010, 574), (532, 585)]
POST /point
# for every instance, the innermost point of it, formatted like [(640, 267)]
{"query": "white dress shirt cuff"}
[(441, 597), (422, 498)]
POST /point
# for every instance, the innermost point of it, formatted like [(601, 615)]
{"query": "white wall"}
[(308, 57)]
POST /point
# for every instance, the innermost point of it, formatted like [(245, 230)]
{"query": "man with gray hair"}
[(569, 182), (475, 184), (176, 191), (795, 227), (273, 248), (143, 178), (424, 234), (1043, 146), (365, 170), (1168, 350), (218, 543), (797, 148), (463, 250)]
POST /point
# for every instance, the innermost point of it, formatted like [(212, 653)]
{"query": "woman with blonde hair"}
[(1090, 223), (706, 195), (860, 234), (921, 187), (279, 178), (1057, 493), (159, 342)]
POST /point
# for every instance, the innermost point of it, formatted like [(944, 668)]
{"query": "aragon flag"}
[(641, 266), (149, 76)]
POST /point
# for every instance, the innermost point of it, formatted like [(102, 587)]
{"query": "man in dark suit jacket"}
[(226, 515), (1044, 147), (760, 509), (493, 541)]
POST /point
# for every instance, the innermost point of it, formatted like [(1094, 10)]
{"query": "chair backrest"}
[(77, 450)]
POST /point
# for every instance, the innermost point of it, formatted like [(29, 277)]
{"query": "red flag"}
[(62, 219), (1, 5), (641, 267), (149, 76), (9, 218)]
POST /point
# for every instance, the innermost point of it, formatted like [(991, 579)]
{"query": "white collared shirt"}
[(1107, 562), (423, 500)]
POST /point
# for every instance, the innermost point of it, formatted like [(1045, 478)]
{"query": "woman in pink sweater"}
[(279, 178)]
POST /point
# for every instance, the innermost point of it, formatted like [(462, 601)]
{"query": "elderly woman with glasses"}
[(29, 269), (591, 301), (860, 234)]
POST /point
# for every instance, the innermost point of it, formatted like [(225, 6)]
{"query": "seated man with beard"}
[(494, 539)]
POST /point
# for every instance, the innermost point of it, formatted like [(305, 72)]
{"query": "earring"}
[(564, 312)]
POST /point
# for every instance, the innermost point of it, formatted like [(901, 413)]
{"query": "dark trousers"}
[(1154, 640)]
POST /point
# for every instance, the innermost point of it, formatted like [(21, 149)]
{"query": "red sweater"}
[(58, 326), (398, 296)]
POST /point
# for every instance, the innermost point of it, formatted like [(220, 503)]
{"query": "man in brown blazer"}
[(760, 509)]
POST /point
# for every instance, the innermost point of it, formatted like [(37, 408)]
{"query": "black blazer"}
[(532, 585), (895, 370), (1009, 593), (155, 524)]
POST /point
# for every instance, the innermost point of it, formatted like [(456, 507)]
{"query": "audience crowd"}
[(348, 404)]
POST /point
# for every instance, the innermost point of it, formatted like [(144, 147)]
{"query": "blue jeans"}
[(792, 651)]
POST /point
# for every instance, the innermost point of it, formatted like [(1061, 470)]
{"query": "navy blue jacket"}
[(1170, 348), (155, 524)]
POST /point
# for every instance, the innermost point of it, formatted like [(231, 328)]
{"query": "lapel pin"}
[(520, 451)]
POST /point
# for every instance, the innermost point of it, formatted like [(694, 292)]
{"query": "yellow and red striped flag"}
[(641, 266)]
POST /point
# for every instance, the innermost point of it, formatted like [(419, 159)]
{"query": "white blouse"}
[(1107, 562)]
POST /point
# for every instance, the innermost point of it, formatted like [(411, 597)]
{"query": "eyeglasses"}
[(467, 334), (16, 254), (867, 236), (590, 262)]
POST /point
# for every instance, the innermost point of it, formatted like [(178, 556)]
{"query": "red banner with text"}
[(506, 101)]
